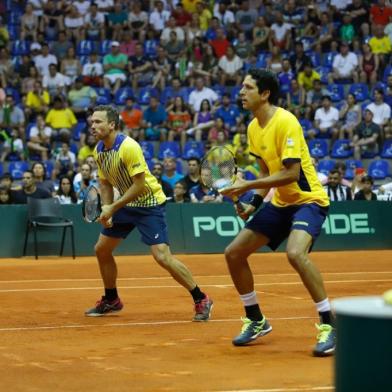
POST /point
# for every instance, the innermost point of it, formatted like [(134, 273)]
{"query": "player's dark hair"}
[(112, 113), (266, 81), (334, 171)]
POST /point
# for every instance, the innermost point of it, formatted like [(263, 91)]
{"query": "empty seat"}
[(360, 91), (386, 151), (336, 92), (318, 148), (379, 169), (122, 94), (341, 149), (325, 166), (145, 93), (148, 150), (17, 168), (169, 150), (193, 149), (351, 166)]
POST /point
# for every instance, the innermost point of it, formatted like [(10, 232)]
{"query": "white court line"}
[(138, 324), (169, 277), (179, 286), (284, 389)]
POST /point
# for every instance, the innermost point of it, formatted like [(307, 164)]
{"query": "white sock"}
[(323, 306), (249, 298)]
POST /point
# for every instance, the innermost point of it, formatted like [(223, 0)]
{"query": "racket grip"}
[(240, 206)]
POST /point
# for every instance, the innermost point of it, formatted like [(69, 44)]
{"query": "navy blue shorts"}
[(276, 223), (150, 221)]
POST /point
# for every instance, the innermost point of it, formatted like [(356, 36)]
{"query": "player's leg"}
[(181, 273), (110, 302), (255, 324), (299, 242)]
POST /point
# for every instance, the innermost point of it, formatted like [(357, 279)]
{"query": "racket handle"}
[(240, 206)]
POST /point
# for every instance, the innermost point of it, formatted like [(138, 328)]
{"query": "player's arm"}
[(106, 191)]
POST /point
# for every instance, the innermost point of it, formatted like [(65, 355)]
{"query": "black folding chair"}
[(46, 213)]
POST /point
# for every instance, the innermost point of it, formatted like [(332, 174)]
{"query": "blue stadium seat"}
[(179, 166), (262, 59), (351, 165), (102, 100), (168, 93), (169, 150), (85, 47), (234, 94), (104, 47), (368, 154), (315, 58), (15, 94), (318, 148), (193, 149), (386, 151), (220, 90), (336, 92), (341, 149), (145, 93), (327, 60), (307, 43), (305, 124), (323, 72), (17, 168), (78, 129), (360, 91), (387, 72), (13, 31), (325, 166), (148, 150), (122, 94), (1, 168), (104, 96), (28, 129), (20, 48), (49, 166), (379, 169)]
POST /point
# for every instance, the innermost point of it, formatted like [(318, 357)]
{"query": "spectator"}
[(94, 171), (193, 30), (359, 12), (347, 31), (368, 66), (13, 147), (366, 135), (154, 120), (29, 80), (61, 119), (229, 113), (381, 110), (114, 64), (207, 68), (201, 93), (243, 47), (336, 191), (64, 162), (29, 189), (179, 120), (280, 33), (66, 193), (193, 177), (55, 82), (299, 58), (81, 97), (170, 173), (44, 60), (40, 177), (261, 35), (117, 20), (380, 13), (70, 65), (218, 134), (285, 77), (230, 68), (345, 65), (6, 181), (61, 46), (157, 171), (203, 194), (314, 97), (381, 45), (245, 160), (74, 24), (159, 17), (307, 77), (93, 71), (179, 193), (246, 18), (324, 33), (205, 15), (321, 176), (350, 116), (170, 27), (220, 43), (366, 192), (7, 75), (140, 68), (12, 117), (274, 62), (88, 149), (203, 119), (104, 6), (174, 48), (29, 24), (295, 99), (52, 20), (128, 43), (5, 195), (132, 117), (138, 21), (39, 140), (225, 16), (325, 120), (85, 181), (161, 68), (37, 101), (94, 22), (181, 16)]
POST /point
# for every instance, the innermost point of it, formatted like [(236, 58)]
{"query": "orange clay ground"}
[(46, 343)]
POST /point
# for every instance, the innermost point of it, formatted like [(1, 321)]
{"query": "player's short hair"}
[(266, 80), (112, 113)]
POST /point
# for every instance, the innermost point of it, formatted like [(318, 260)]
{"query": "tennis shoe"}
[(251, 330), (104, 307), (326, 341), (203, 309)]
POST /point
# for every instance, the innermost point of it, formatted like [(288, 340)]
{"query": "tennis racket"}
[(91, 206), (218, 170)]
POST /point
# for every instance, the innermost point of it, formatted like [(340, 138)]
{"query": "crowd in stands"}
[(174, 69)]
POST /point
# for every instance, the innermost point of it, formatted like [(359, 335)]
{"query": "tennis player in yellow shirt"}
[(141, 205), (297, 210)]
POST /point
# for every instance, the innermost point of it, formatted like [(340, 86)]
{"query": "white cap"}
[(35, 46), (115, 43)]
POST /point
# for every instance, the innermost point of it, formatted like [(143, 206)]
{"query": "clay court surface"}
[(46, 343)]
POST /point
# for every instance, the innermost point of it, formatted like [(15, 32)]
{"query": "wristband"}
[(256, 201)]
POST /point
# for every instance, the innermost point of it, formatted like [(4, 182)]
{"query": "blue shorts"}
[(150, 221), (276, 223)]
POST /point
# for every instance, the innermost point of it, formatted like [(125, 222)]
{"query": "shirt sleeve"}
[(290, 147), (132, 156)]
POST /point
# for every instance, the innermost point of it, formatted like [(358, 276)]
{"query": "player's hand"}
[(237, 189), (245, 211), (105, 218)]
